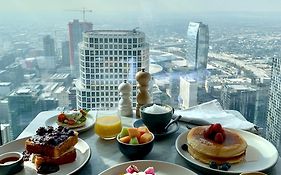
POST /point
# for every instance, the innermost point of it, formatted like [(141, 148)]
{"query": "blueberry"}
[(65, 129), (50, 129), (60, 128), (41, 131), (224, 166), (184, 147), (213, 165), (71, 133), (227, 164)]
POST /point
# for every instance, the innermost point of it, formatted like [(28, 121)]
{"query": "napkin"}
[(212, 112)]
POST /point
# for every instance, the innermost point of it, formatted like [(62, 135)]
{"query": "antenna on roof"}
[(135, 29), (83, 10)]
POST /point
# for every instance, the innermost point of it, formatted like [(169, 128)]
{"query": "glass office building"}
[(197, 45), (273, 132)]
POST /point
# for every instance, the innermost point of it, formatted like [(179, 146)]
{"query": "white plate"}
[(161, 168), (91, 119), (260, 155), (82, 149)]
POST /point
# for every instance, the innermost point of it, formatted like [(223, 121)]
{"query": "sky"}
[(136, 12), (108, 6)]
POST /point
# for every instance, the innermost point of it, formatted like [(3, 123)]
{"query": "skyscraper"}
[(75, 30), (107, 58), (197, 45), (23, 106), (241, 98), (273, 130), (49, 46), (65, 53), (188, 92)]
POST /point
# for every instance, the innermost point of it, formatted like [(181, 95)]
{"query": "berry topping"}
[(219, 137), (132, 169), (51, 136), (213, 165), (184, 147), (217, 128), (224, 166), (215, 132), (41, 131), (149, 170)]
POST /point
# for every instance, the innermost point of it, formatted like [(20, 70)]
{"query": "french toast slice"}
[(51, 142), (68, 157)]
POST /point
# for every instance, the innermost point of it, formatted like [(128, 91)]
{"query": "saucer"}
[(172, 129)]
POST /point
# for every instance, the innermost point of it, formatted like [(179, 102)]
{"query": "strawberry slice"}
[(150, 171), (61, 117), (71, 122)]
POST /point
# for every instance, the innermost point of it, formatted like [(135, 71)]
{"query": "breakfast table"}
[(105, 153)]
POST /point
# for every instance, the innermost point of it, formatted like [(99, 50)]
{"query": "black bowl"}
[(135, 151), (13, 163)]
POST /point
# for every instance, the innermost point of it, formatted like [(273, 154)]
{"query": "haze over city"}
[(243, 30)]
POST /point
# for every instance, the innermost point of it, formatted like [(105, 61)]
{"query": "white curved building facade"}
[(107, 58)]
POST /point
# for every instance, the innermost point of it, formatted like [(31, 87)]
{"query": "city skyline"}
[(252, 43)]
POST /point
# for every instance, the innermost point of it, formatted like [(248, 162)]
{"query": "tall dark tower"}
[(75, 30)]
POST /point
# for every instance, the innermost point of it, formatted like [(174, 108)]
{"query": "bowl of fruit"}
[(135, 143)]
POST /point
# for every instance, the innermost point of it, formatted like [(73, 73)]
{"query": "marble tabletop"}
[(105, 154)]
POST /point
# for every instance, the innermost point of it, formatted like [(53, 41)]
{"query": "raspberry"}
[(219, 138), (207, 133), (217, 128)]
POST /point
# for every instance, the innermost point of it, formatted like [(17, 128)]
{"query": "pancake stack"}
[(215, 144)]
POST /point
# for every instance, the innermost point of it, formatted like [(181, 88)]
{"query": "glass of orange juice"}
[(108, 124)]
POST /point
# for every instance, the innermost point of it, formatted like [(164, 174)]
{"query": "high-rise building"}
[(75, 30), (241, 98), (65, 53), (188, 92), (13, 73), (107, 58), (273, 130), (197, 45), (23, 106), (5, 133), (49, 46)]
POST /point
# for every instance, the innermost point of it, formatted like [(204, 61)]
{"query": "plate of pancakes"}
[(242, 150)]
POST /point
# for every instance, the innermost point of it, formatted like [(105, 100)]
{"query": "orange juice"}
[(108, 127)]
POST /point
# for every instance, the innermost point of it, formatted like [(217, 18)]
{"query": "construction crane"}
[(84, 10)]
